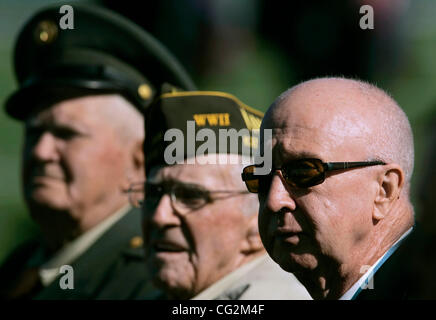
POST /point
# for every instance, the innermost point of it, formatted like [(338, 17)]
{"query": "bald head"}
[(357, 114), (332, 229)]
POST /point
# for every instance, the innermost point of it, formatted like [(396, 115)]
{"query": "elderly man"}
[(335, 208), (81, 97), (199, 222)]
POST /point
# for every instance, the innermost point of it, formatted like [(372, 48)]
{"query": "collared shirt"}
[(367, 277), (49, 271), (222, 284), (259, 279)]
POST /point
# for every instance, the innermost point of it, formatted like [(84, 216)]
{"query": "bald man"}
[(335, 207)]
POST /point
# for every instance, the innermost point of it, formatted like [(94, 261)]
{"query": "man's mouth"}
[(45, 181), (46, 173), (165, 246), (46, 177), (288, 236), (291, 238)]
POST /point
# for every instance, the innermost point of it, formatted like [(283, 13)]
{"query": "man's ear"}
[(390, 185), (252, 242), (135, 172), (138, 159)]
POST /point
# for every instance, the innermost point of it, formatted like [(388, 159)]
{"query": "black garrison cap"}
[(211, 110), (104, 53)]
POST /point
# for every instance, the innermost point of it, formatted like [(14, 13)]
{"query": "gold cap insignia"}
[(136, 242), (46, 32), (144, 91)]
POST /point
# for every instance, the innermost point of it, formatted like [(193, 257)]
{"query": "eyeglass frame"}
[(170, 191), (328, 167)]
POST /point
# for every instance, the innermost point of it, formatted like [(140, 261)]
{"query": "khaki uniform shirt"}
[(260, 279)]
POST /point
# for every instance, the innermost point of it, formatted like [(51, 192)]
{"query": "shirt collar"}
[(224, 283), (72, 250)]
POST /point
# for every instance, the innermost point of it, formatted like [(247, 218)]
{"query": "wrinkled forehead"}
[(205, 175), (62, 111), (212, 176), (81, 111)]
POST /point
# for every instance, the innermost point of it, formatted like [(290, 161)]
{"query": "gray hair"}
[(128, 121)]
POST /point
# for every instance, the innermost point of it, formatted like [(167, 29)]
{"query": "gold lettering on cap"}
[(200, 119), (226, 119), (213, 119)]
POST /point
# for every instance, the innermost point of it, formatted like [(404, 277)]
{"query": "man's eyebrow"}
[(305, 154), (287, 158), (289, 155), (172, 181), (50, 125), (72, 126)]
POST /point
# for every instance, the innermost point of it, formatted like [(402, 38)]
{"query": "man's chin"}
[(295, 263), (45, 198), (173, 287)]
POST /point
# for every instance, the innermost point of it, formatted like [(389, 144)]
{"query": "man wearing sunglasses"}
[(335, 208), (199, 221)]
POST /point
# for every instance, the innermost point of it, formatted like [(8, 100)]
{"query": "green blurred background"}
[(254, 49)]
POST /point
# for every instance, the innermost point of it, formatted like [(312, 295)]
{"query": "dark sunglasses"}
[(301, 173)]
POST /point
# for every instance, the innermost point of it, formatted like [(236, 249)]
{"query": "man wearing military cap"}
[(82, 96), (199, 222)]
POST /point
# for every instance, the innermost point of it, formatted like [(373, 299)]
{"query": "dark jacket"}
[(112, 268), (408, 273)]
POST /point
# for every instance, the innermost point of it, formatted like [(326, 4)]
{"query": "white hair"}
[(128, 121)]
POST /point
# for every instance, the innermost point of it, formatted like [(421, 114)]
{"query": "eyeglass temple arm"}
[(228, 191), (346, 165)]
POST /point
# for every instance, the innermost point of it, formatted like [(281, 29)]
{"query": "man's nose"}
[(278, 197), (162, 215), (45, 148)]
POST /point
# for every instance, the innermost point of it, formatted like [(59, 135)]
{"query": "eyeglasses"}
[(185, 197), (301, 173)]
